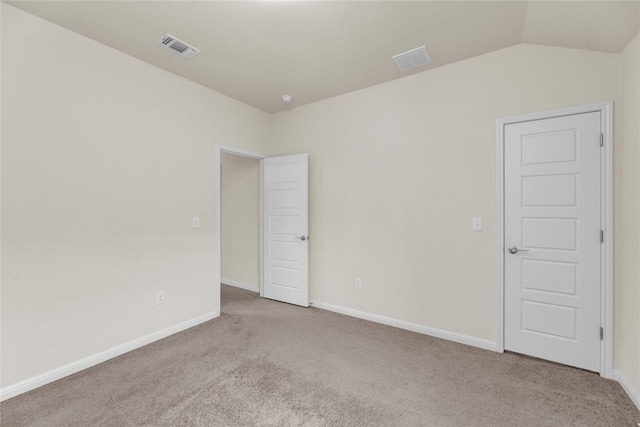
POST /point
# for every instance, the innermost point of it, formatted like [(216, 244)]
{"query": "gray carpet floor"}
[(273, 364)]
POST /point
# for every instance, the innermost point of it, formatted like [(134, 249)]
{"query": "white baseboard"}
[(87, 362), (236, 284), (628, 388), (414, 327)]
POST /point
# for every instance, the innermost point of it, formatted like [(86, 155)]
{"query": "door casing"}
[(606, 215)]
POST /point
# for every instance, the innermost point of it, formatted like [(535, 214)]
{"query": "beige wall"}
[(627, 218), (105, 159), (398, 170), (240, 216)]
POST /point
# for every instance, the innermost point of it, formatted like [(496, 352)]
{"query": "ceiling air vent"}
[(411, 59), (178, 46)]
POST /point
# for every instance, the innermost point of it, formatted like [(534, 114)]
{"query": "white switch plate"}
[(195, 222), (358, 283), (476, 223), (160, 298)]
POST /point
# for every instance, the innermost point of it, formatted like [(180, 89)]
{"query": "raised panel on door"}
[(552, 217)]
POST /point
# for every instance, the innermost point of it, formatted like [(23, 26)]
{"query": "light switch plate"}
[(476, 223), (195, 222)]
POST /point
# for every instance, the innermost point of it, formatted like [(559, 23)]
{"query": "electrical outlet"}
[(160, 298), (358, 283)]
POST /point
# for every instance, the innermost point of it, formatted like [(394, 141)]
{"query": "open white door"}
[(553, 239), (286, 229)]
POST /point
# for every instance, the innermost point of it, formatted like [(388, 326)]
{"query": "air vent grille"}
[(411, 59), (178, 46)]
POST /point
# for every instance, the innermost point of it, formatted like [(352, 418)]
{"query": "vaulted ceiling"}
[(256, 51)]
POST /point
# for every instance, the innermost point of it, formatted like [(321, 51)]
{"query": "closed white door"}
[(553, 239), (286, 229)]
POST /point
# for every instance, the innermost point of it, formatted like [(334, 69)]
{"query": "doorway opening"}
[(283, 227), (238, 219)]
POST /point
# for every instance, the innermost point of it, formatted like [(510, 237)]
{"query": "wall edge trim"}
[(633, 394), (414, 327), (97, 358), (241, 285)]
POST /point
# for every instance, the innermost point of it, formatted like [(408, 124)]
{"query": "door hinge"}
[(601, 236), (601, 140), (601, 333)]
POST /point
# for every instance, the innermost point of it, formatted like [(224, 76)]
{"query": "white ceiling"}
[(257, 51)]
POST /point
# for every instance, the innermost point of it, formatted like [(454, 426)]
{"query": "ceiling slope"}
[(257, 51), (605, 26)]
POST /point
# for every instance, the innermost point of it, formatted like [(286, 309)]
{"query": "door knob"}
[(515, 250), (303, 238)]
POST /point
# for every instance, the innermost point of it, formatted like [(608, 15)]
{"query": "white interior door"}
[(553, 239), (286, 229)]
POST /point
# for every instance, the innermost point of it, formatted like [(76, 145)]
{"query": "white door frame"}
[(244, 153), (606, 215)]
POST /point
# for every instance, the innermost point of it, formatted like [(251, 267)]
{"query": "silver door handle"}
[(515, 250), (303, 238)]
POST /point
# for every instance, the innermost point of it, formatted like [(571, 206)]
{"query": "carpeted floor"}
[(269, 363)]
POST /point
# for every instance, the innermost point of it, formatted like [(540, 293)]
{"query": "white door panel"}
[(552, 215), (286, 229)]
